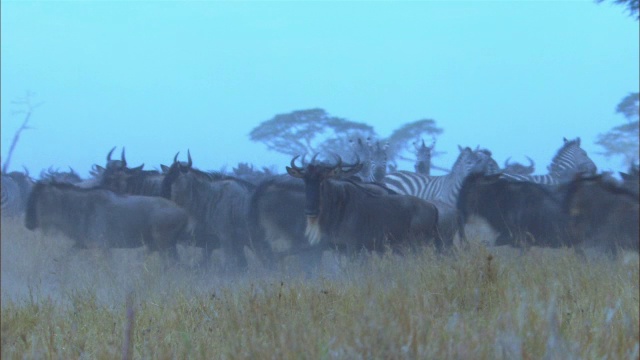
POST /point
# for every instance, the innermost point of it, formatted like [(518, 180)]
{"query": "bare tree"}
[(28, 108)]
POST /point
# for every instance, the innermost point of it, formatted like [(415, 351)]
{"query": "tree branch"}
[(25, 125)]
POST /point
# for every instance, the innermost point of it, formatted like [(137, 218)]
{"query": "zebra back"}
[(569, 161), (443, 188)]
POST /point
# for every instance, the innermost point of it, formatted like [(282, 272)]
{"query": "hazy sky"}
[(162, 77)]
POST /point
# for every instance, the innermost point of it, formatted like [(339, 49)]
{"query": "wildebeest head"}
[(175, 178), (116, 173), (70, 176), (517, 168), (314, 174), (472, 162)]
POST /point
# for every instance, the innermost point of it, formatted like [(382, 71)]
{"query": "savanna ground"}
[(480, 303)]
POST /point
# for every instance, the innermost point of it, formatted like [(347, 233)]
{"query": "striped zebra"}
[(374, 159), (444, 188), (423, 157), (16, 187), (569, 161)]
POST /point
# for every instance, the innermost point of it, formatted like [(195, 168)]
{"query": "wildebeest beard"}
[(312, 232)]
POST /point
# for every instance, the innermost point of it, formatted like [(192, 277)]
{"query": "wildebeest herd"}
[(331, 204)]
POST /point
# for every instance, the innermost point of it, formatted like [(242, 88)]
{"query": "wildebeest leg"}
[(233, 249), (211, 243)]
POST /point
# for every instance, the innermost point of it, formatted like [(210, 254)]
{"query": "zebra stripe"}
[(443, 188), (569, 161)]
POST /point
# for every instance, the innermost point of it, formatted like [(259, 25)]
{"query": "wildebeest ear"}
[(164, 168), (139, 168), (294, 172)]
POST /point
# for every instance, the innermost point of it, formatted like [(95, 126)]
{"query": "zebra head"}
[(570, 160), (373, 158), (423, 157)]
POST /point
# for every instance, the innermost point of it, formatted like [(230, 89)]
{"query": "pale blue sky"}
[(162, 77)]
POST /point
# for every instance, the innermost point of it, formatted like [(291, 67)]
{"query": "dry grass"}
[(482, 303)]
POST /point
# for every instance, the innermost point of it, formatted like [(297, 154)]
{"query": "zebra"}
[(443, 188), (373, 157), (569, 161), (442, 191), (423, 157)]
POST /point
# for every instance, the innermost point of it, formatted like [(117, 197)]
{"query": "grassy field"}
[(481, 303)]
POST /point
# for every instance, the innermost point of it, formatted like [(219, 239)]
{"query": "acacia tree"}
[(632, 6), (309, 131), (622, 140)]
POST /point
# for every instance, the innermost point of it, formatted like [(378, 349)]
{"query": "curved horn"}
[(294, 166), (531, 163), (109, 154), (506, 162), (123, 158), (189, 162), (313, 159), (175, 158)]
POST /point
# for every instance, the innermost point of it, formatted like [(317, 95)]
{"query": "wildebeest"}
[(351, 217), (55, 175), (603, 214), (218, 206), (517, 168), (631, 180), (121, 179), (101, 218), (523, 213), (277, 222), (16, 187)]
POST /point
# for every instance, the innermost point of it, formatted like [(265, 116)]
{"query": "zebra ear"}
[(578, 141), (460, 148), (565, 139)]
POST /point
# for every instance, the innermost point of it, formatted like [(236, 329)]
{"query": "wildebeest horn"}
[(109, 154), (189, 162), (175, 158), (123, 158), (313, 159), (293, 165), (506, 162), (531, 163)]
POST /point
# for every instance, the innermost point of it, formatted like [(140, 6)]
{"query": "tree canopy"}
[(308, 131), (622, 140), (402, 139)]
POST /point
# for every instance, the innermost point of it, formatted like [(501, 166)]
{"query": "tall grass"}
[(491, 303)]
